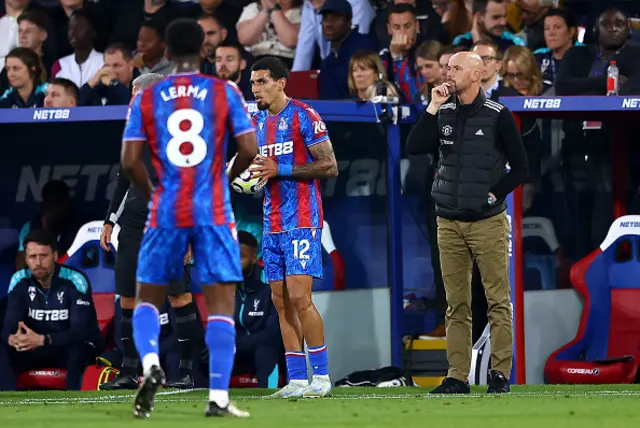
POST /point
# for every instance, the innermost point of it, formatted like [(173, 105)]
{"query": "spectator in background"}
[(85, 62), (489, 21), (491, 80), (311, 34), (231, 65), (214, 34), (400, 58), (61, 14), (26, 80), (560, 33), (345, 42), (259, 346), (443, 58), (111, 85), (429, 68), (151, 47), (520, 72), (366, 74), (9, 26), (533, 13), (51, 320), (225, 12), (429, 23), (584, 68), (61, 92), (131, 14), (56, 217), (586, 147), (271, 28), (32, 33), (457, 19)]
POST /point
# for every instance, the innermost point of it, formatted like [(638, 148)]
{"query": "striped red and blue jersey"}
[(187, 119), (286, 137)]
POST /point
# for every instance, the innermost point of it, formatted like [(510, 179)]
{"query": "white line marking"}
[(116, 399)]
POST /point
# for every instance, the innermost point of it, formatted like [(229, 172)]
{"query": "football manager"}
[(481, 160)]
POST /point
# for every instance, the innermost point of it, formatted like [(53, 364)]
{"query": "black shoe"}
[(498, 383), (184, 381), (452, 386), (122, 381), (230, 410), (143, 403)]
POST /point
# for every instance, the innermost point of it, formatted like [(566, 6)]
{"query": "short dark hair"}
[(38, 17), (429, 50), (204, 16), (119, 47), (184, 37), (54, 192), (41, 237), (230, 44), (68, 86), (480, 6), (568, 17), (246, 238), (276, 68), (157, 26), (401, 8), (489, 43), (449, 50), (84, 13)]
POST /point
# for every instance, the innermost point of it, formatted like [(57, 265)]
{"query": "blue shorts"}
[(295, 252), (215, 250)]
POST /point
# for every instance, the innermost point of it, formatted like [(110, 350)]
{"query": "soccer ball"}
[(244, 183)]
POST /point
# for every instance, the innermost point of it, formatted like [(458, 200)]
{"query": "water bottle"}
[(612, 79)]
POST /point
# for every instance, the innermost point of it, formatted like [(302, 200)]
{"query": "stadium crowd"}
[(88, 52)]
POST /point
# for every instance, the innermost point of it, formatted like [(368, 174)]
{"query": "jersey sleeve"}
[(239, 119), (312, 127), (133, 129)]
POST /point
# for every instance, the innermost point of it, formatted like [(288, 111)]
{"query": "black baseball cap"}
[(340, 7)]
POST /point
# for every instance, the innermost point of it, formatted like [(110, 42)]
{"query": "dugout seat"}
[(303, 85), (607, 346), (86, 255)]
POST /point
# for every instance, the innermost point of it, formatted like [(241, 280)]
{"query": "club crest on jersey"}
[(447, 130), (61, 296), (283, 126), (32, 293), (256, 302)]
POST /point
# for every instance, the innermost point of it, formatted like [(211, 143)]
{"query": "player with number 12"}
[(294, 153), (186, 119)]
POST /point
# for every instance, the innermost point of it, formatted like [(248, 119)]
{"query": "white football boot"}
[(294, 389), (319, 387)]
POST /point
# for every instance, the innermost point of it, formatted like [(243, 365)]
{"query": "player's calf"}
[(221, 342), (299, 287)]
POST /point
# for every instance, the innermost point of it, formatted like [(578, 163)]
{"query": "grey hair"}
[(147, 79)]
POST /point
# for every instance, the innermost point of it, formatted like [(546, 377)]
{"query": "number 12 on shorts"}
[(300, 248)]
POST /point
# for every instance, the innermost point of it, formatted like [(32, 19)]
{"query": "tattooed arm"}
[(324, 166)]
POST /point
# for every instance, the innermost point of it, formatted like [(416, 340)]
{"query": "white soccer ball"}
[(245, 183)]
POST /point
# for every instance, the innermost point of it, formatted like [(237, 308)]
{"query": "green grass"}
[(529, 406)]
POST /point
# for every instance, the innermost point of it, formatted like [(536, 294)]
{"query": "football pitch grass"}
[(527, 406)]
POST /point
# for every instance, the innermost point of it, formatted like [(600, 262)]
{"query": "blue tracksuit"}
[(259, 346), (64, 312)]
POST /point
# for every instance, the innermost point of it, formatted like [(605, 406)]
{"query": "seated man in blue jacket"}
[(50, 320), (259, 346)]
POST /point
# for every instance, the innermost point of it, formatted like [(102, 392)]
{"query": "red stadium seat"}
[(303, 85), (607, 346), (105, 309)]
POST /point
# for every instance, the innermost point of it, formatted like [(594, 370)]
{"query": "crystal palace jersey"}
[(186, 119), (289, 203)]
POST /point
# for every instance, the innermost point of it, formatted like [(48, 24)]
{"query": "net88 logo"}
[(186, 148)]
